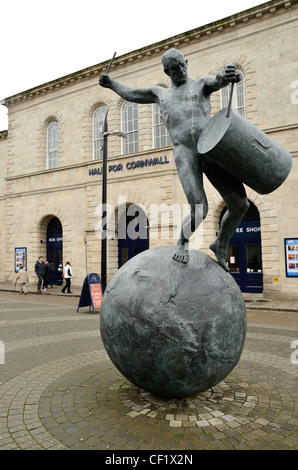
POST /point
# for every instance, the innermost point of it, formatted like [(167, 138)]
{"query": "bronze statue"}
[(186, 333), (185, 110)]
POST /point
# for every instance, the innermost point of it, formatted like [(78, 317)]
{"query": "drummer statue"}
[(185, 110)]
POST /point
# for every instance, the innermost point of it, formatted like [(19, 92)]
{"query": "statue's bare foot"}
[(220, 255), (181, 254)]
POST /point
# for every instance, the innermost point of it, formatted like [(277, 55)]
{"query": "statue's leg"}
[(233, 193), (190, 175)]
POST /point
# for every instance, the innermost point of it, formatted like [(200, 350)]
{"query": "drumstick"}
[(110, 64), (230, 100)]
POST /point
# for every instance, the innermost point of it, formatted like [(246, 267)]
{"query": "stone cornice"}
[(220, 26), (3, 134)]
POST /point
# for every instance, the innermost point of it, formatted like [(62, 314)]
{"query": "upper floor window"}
[(130, 127), (238, 96), (161, 137), (98, 124), (52, 145)]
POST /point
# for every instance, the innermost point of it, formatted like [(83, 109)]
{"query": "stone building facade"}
[(50, 184)]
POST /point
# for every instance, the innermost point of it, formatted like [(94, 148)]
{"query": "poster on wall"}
[(291, 255), (20, 257)]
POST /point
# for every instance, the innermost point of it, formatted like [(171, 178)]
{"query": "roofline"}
[(3, 134), (217, 26)]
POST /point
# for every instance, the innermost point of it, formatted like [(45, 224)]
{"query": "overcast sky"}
[(41, 41)]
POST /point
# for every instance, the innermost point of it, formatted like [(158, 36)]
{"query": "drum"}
[(244, 151)]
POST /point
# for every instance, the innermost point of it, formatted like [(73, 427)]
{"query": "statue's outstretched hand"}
[(231, 74), (105, 81)]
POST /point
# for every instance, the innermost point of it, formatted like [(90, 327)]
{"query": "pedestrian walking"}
[(50, 275), (22, 277), (67, 274), (39, 271), (47, 275)]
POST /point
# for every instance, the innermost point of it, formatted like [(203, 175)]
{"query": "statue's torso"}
[(185, 110)]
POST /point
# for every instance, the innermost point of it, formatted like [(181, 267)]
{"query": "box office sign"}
[(291, 257)]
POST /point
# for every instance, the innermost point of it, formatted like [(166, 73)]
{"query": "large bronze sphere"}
[(173, 329)]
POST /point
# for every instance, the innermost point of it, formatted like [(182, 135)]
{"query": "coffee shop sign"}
[(116, 167)]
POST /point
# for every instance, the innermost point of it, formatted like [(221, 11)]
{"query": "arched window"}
[(161, 137), (98, 123), (130, 127), (238, 96), (52, 145)]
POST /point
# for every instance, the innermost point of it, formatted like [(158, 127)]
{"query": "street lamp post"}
[(104, 199), (104, 202)]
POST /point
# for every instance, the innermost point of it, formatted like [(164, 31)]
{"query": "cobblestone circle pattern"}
[(59, 390)]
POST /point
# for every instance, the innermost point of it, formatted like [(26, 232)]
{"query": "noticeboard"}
[(20, 258), (291, 257), (91, 295)]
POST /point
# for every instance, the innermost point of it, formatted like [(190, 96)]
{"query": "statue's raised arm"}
[(228, 74), (137, 95)]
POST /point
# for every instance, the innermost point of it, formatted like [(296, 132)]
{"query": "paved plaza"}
[(59, 389)]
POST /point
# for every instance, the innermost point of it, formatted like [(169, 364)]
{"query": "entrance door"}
[(132, 234), (244, 256), (55, 249)]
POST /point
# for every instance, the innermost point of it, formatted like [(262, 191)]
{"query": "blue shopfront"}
[(133, 237), (244, 254), (55, 250)]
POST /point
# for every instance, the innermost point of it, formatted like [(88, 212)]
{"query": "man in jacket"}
[(39, 271)]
